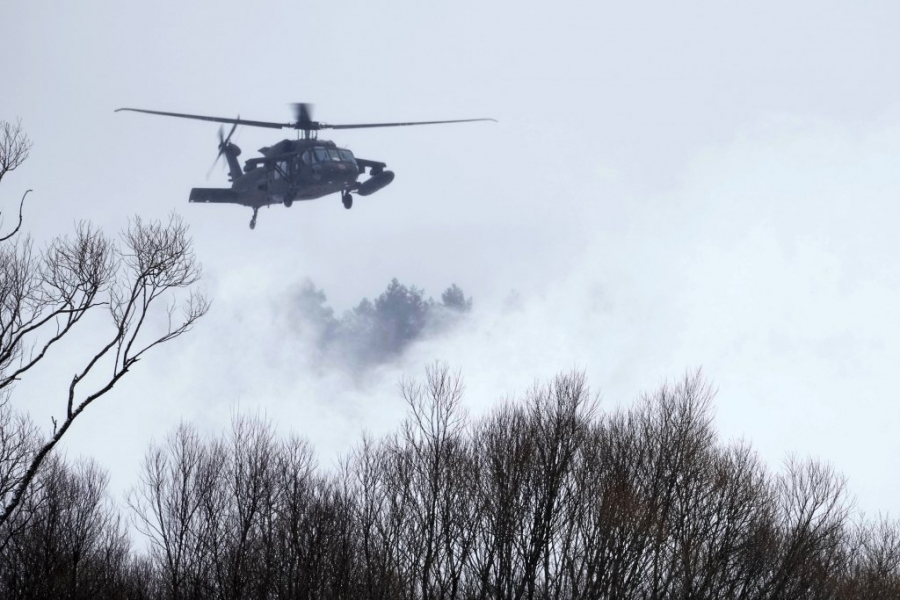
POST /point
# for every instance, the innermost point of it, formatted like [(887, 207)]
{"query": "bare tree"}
[(434, 464), (44, 297), (874, 562), (812, 522), (70, 543), (244, 517), (242, 499), (19, 440), (14, 149), (379, 518), (544, 498), (176, 481), (45, 293), (506, 455)]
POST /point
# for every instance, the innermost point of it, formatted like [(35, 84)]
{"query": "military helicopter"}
[(303, 169)]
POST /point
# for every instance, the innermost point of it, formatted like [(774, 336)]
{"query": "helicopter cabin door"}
[(280, 177)]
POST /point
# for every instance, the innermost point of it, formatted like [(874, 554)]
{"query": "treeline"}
[(374, 332), (545, 497)]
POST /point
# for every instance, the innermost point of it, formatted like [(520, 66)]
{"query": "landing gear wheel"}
[(348, 200), (253, 219), (288, 201)]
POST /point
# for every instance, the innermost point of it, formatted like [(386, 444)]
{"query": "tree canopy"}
[(375, 332)]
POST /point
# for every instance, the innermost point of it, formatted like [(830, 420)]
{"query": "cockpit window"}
[(315, 155)]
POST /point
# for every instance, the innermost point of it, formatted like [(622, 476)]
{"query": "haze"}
[(668, 188)]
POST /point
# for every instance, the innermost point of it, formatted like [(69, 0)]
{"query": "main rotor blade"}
[(213, 119), (303, 122), (368, 125)]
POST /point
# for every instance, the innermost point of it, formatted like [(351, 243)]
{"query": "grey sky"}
[(705, 185)]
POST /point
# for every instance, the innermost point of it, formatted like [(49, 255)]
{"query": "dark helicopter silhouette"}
[(303, 169)]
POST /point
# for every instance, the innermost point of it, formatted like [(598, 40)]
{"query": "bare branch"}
[(55, 290), (19, 223), (66, 283), (14, 146)]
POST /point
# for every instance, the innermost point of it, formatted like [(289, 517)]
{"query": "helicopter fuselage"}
[(303, 169), (297, 170)]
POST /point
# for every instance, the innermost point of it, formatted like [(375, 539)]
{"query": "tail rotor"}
[(224, 142)]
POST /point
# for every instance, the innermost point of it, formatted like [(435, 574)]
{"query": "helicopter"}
[(291, 170)]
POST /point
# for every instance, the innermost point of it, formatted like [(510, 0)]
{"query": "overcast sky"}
[(709, 185)]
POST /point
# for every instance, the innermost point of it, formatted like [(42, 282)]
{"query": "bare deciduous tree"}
[(69, 542), (45, 293), (543, 498), (15, 146), (176, 481)]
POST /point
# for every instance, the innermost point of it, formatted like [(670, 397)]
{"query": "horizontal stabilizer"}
[(220, 195)]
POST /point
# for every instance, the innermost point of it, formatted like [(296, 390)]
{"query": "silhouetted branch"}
[(15, 146), (64, 286), (19, 222)]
